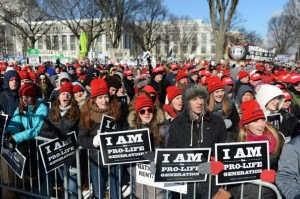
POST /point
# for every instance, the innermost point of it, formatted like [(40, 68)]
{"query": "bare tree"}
[(79, 15), (29, 17), (281, 34), (116, 14), (292, 14), (221, 13), (147, 23)]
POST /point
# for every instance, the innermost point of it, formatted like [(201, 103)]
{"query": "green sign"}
[(58, 56), (33, 51)]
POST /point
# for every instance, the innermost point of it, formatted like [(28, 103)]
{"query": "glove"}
[(96, 141), (212, 167), (152, 167), (268, 175), (228, 123), (9, 143)]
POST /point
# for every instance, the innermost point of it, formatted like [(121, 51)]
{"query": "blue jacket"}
[(288, 174), (27, 126)]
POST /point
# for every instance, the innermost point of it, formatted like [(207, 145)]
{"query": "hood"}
[(63, 75), (52, 80), (132, 118), (85, 91), (242, 90), (7, 76), (265, 94), (191, 91)]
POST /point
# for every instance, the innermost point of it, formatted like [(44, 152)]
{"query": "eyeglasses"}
[(296, 84), (143, 111)]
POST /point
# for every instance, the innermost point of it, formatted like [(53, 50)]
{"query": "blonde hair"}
[(279, 138)]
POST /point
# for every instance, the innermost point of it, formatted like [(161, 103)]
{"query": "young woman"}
[(80, 94), (62, 119), (256, 128), (98, 104), (219, 104), (144, 114), (28, 118), (173, 105), (45, 86)]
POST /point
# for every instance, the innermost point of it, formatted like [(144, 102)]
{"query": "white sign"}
[(144, 176)]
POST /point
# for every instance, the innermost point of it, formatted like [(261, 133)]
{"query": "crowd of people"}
[(184, 105)]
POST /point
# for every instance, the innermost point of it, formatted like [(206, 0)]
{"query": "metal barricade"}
[(40, 184)]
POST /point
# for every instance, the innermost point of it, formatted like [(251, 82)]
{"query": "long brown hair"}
[(22, 107), (279, 138), (225, 102), (113, 110), (72, 114), (159, 139)]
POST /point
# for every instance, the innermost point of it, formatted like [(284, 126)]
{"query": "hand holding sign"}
[(9, 143), (212, 167), (268, 175)]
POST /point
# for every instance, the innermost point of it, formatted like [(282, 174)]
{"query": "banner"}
[(251, 52), (243, 161), (56, 152), (180, 165), (15, 160), (125, 146), (144, 176), (274, 119), (108, 124)]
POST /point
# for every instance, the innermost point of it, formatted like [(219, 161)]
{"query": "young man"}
[(196, 128)]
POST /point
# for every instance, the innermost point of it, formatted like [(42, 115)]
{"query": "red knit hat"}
[(181, 74), (227, 81), (158, 69), (251, 111), (172, 92), (41, 69), (294, 78), (174, 67), (24, 74), (27, 90), (205, 73), (282, 78), (77, 65), (33, 75), (287, 96), (143, 101), (99, 87), (77, 88), (128, 72), (255, 77), (67, 87), (149, 89), (243, 74), (213, 84)]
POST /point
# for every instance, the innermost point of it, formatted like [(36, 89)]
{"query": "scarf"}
[(64, 110), (268, 136), (170, 110), (96, 114)]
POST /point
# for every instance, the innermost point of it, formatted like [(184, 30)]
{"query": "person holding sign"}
[(98, 104), (144, 115), (256, 128), (62, 119), (196, 127)]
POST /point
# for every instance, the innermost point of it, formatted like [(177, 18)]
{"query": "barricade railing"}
[(40, 184)]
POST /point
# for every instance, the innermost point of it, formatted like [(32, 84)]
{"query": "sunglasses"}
[(143, 111), (296, 84)]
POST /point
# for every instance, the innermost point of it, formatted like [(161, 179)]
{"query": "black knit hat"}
[(113, 81)]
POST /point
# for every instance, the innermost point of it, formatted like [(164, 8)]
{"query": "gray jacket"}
[(288, 175)]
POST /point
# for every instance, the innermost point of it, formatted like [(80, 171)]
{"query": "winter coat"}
[(295, 95), (28, 126), (171, 79), (129, 86), (160, 89), (288, 175)]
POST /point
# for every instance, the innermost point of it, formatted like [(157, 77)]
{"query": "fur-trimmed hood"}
[(158, 119)]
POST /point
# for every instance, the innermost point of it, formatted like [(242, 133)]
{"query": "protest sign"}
[(108, 124), (144, 176), (15, 160), (56, 152), (243, 161), (180, 165), (124, 146), (274, 119)]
